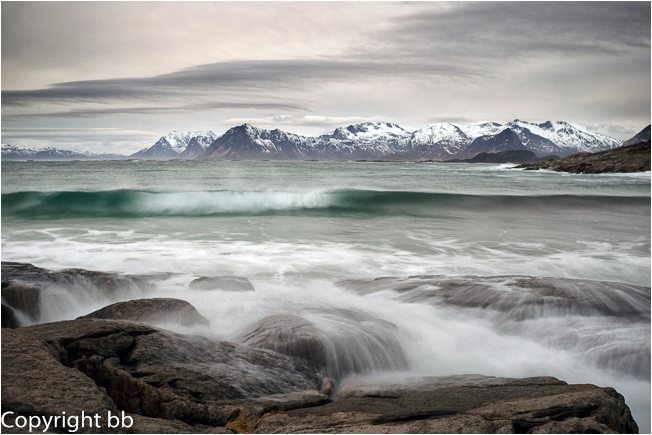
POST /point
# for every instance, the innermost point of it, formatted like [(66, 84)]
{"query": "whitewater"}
[(480, 269)]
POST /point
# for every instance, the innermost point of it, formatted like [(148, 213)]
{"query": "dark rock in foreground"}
[(35, 382), (226, 282), (161, 374), (631, 158), (462, 404), (151, 311), (172, 383)]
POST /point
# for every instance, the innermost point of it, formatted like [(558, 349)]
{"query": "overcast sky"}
[(115, 77)]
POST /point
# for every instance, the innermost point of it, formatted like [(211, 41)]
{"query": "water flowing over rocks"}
[(227, 283), (175, 383), (59, 290), (355, 343), (515, 303), (520, 297), (17, 300), (151, 311), (337, 370)]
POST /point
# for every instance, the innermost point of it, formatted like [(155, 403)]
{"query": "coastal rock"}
[(34, 382), (290, 335), (172, 383), (226, 282), (355, 342), (631, 158), (462, 404), (25, 298), (78, 281), (9, 317), (161, 374), (151, 311)]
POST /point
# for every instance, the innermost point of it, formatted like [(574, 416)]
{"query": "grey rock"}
[(226, 282), (34, 382), (462, 404), (529, 298), (80, 282), (355, 342), (160, 374), (151, 311)]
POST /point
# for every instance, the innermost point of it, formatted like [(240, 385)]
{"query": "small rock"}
[(151, 311), (227, 283)]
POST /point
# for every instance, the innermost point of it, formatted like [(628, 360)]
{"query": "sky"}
[(116, 76)]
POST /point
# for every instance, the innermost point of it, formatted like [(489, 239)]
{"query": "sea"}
[(320, 238)]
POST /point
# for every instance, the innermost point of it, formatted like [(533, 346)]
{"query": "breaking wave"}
[(138, 203)]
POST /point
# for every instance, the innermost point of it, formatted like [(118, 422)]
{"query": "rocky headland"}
[(629, 158), (283, 375)]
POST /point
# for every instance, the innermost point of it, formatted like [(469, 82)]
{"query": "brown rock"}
[(160, 374), (151, 311), (34, 382), (463, 404), (21, 297)]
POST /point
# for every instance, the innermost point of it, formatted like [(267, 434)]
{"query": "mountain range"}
[(382, 141), (17, 152)]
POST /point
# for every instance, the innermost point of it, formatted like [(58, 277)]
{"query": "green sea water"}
[(296, 230)]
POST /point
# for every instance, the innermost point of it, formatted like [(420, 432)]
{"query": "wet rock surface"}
[(226, 283), (173, 383), (463, 404), (344, 342), (75, 280), (151, 311), (160, 374), (521, 297), (332, 371), (25, 298)]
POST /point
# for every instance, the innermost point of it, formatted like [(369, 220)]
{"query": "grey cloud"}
[(95, 113), (492, 31), (244, 77)]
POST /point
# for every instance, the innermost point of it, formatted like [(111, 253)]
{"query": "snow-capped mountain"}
[(570, 138), (173, 144), (359, 141), (447, 141), (198, 145), (443, 140), (18, 152)]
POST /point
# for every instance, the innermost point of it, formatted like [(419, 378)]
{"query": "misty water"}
[(469, 254)]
